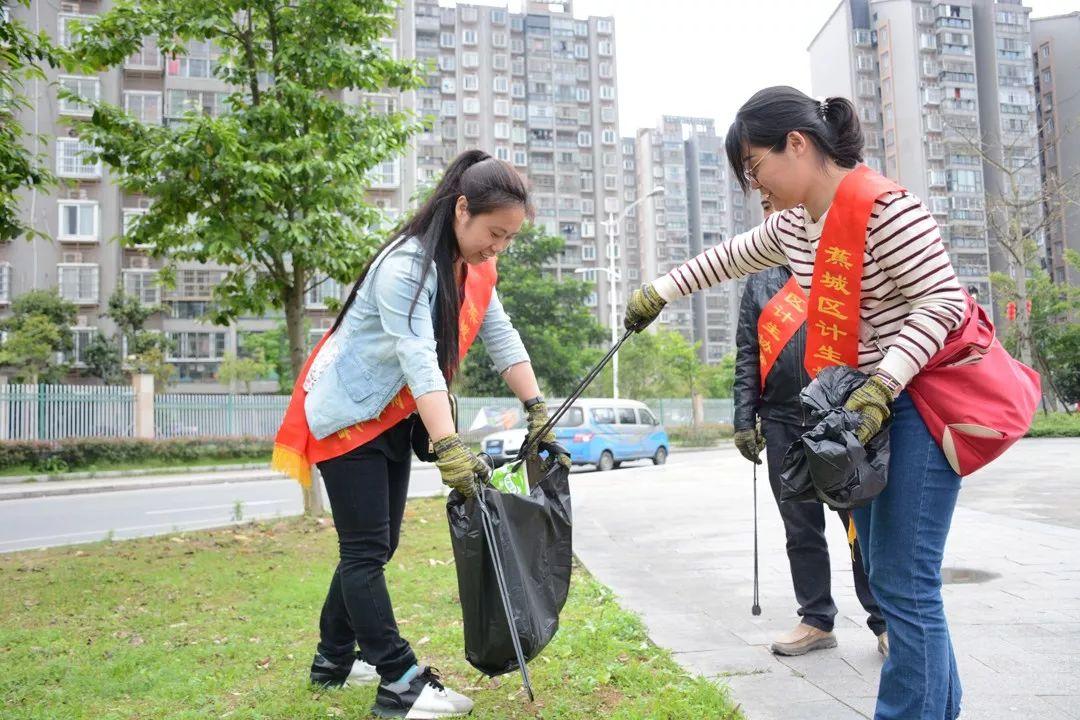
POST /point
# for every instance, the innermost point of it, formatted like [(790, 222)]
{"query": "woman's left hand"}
[(537, 418), (873, 403)]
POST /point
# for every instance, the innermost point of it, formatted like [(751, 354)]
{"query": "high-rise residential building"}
[(937, 85), (537, 89), (86, 214), (1056, 46), (702, 206)]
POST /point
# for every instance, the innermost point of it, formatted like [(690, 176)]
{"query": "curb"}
[(38, 492), (105, 474)]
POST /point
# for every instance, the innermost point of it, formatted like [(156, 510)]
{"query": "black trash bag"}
[(534, 543), (829, 464)]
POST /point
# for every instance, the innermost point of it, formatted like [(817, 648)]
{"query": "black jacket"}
[(779, 401)]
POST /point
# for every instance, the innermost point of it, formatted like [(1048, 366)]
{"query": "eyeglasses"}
[(751, 174)]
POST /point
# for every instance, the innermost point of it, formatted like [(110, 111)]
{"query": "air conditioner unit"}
[(73, 257), (139, 262), (81, 321), (144, 203), (69, 7)]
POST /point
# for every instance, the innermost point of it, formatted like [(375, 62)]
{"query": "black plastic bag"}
[(533, 537), (828, 463)]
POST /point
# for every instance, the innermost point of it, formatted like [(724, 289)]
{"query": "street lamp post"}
[(612, 226)]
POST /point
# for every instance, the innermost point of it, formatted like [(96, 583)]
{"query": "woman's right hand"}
[(458, 465), (643, 307)]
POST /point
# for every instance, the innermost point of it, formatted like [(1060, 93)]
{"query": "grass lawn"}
[(223, 624)]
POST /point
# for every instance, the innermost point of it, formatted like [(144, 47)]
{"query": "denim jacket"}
[(380, 350)]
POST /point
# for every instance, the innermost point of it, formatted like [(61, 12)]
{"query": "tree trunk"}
[(294, 328)]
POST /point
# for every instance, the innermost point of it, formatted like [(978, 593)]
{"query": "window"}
[(627, 416), (468, 37), (196, 345), (449, 86), (518, 112), (143, 106), (470, 59), (201, 102), (386, 174), (517, 134), (502, 153), (581, 51), (605, 70), (470, 82), (610, 181), (199, 62), (447, 63), (603, 416), (605, 26), (517, 89), (499, 62), (147, 57), (607, 114), (608, 137), (71, 159), (143, 285), (66, 27), (320, 291), (573, 417), (78, 220), (128, 217), (5, 283), (446, 40), (520, 158), (582, 94), (472, 129), (78, 282), (87, 88), (584, 139), (607, 92), (470, 106), (80, 339), (588, 252), (498, 39), (449, 108), (501, 107), (498, 17), (500, 84), (605, 48), (502, 131)]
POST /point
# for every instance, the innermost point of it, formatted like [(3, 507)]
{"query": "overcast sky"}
[(705, 58)]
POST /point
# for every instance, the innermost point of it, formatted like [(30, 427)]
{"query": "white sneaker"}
[(361, 673), (329, 675), (420, 695)]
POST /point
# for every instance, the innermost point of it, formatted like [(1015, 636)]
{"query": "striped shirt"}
[(910, 297)]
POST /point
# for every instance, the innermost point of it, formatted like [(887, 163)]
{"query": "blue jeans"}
[(902, 536)]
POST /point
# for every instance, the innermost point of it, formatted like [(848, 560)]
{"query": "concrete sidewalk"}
[(675, 543)]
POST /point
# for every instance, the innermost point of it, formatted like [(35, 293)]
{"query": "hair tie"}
[(823, 107)]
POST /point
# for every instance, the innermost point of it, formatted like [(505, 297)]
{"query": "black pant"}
[(807, 550), (367, 489)]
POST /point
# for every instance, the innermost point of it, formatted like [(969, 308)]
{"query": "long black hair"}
[(766, 119), (487, 185)]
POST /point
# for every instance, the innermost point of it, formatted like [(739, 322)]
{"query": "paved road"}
[(68, 519), (675, 544)]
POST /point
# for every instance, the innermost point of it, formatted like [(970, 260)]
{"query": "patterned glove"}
[(538, 417), (642, 308), (459, 466), (750, 444), (873, 403)]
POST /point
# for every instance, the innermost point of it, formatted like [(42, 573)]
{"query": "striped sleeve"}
[(904, 240), (742, 255)]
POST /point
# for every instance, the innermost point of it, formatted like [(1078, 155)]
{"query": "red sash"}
[(296, 449), (780, 319), (833, 318)]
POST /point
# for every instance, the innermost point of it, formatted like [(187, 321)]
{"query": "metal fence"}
[(193, 414), (53, 412)]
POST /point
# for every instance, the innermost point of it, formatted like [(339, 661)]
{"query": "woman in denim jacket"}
[(400, 327)]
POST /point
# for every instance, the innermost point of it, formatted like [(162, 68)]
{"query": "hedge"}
[(704, 435), (75, 454), (1055, 425)]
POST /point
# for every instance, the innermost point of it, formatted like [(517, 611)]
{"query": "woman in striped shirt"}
[(797, 151)]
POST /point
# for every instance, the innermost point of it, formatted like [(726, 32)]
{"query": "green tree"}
[(717, 380), (556, 326), (651, 365), (244, 370), (274, 187), (102, 358), (273, 347), (22, 55), (37, 330)]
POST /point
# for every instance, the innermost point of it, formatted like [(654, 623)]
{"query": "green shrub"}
[(704, 435), (1055, 425), (76, 454)]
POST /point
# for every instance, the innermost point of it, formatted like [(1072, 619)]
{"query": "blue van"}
[(604, 433)]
